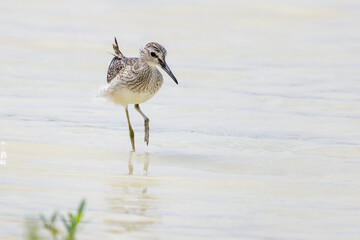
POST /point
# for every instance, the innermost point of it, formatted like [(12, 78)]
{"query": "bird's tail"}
[(116, 49), (103, 91)]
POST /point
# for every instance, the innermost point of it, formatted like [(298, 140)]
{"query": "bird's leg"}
[(131, 131), (146, 123)]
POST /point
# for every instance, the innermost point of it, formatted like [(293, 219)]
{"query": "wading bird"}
[(136, 80)]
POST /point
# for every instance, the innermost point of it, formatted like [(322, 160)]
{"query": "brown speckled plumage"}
[(134, 74)]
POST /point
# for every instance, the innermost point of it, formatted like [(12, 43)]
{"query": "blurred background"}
[(260, 139)]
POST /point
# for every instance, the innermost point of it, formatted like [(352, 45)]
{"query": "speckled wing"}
[(114, 68), (125, 69), (131, 74)]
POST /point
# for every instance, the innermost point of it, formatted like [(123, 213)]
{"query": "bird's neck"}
[(150, 63)]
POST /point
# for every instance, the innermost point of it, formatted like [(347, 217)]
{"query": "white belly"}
[(125, 97)]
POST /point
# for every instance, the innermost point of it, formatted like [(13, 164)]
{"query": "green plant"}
[(50, 225), (32, 230), (71, 225)]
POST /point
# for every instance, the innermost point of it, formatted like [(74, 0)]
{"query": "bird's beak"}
[(168, 71)]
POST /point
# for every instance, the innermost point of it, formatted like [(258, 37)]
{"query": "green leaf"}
[(80, 210), (43, 219), (53, 217), (71, 217), (65, 223)]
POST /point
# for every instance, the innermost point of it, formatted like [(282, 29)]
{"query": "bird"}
[(135, 80)]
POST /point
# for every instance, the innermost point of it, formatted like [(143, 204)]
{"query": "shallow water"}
[(260, 140)]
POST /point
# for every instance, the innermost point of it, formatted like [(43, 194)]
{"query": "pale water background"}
[(260, 140)]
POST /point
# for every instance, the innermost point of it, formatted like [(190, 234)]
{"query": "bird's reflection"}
[(129, 202), (130, 165), (146, 159)]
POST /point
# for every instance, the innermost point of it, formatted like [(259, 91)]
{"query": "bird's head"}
[(154, 54)]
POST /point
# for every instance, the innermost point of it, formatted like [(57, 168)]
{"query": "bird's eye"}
[(153, 54)]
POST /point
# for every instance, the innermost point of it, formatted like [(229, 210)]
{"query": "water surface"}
[(260, 140)]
